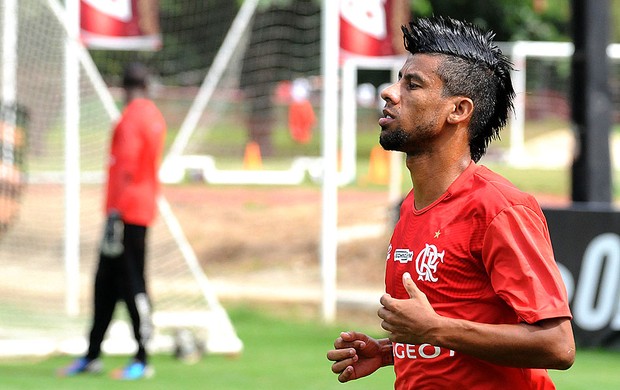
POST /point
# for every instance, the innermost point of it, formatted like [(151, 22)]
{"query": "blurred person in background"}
[(130, 206), (474, 298)]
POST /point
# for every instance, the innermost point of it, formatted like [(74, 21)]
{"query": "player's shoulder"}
[(142, 104), (144, 110), (498, 191)]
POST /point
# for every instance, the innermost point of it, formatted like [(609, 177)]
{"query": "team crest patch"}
[(426, 263)]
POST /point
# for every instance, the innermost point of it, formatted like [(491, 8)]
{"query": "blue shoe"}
[(82, 365), (135, 370)]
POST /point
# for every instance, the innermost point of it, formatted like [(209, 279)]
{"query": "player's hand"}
[(409, 321), (355, 355)]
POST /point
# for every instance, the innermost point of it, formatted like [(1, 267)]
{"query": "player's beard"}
[(414, 142), (393, 140)]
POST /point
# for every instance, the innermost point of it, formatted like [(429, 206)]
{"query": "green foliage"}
[(266, 4), (510, 19), (615, 17), (421, 8)]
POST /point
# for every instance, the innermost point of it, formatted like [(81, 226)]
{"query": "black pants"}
[(122, 278)]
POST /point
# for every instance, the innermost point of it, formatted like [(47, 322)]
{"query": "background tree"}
[(510, 19)]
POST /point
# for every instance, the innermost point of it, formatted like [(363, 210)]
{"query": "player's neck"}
[(133, 94), (431, 175)]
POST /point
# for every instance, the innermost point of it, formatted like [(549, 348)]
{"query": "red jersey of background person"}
[(135, 153), (482, 253), (365, 27), (301, 116)]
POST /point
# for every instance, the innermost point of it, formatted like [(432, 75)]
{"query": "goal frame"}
[(220, 333)]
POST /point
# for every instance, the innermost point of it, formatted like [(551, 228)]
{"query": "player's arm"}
[(356, 355), (544, 344), (126, 149)]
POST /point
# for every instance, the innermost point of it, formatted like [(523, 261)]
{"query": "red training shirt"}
[(135, 154), (481, 252)]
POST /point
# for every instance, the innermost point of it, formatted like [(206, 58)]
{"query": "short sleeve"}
[(518, 257)]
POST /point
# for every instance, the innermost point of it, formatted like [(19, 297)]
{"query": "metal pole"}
[(330, 41), (9, 51), (517, 124), (72, 159), (591, 102), (9, 86)]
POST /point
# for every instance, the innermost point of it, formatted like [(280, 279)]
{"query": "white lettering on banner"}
[(596, 296), (615, 323), (423, 351)]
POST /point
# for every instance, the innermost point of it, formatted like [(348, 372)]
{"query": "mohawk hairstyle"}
[(490, 87), (455, 38)]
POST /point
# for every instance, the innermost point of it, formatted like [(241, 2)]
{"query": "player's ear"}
[(462, 109)]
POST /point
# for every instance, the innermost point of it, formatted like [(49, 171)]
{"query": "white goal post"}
[(519, 52), (61, 195), (349, 107)]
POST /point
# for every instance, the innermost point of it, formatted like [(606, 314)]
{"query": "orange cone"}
[(252, 159), (379, 166)]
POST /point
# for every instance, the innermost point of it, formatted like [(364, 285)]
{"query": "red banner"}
[(120, 24), (366, 27)]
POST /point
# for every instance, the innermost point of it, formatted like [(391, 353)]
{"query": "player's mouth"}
[(386, 119)]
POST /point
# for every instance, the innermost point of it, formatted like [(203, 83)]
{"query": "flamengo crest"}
[(427, 261)]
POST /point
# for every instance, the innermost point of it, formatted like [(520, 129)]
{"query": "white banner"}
[(120, 24)]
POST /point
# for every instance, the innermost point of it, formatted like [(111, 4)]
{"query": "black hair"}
[(474, 67), (136, 75)]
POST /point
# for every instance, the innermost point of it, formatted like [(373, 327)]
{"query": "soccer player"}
[(132, 190), (474, 298)]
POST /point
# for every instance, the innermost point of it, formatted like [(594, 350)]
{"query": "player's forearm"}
[(548, 344)]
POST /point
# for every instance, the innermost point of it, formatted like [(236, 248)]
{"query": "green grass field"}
[(279, 353)]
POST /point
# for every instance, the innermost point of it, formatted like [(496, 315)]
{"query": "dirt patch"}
[(271, 235), (265, 232)]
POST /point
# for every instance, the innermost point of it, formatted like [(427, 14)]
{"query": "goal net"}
[(542, 82), (253, 120), (55, 212)]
